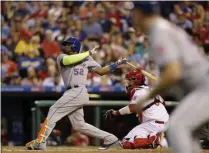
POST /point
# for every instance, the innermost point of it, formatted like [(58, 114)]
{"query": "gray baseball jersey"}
[(76, 74), (72, 101), (170, 43)]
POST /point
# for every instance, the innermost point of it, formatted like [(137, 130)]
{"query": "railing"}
[(36, 113)]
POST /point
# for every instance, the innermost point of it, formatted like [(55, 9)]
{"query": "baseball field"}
[(84, 150)]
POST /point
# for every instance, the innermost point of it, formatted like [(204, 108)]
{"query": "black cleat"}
[(107, 146)]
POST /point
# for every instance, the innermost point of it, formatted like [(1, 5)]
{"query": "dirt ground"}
[(84, 150)]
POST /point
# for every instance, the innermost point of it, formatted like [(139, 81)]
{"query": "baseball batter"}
[(74, 67), (180, 63), (153, 116)]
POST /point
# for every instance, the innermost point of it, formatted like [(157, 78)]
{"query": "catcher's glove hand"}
[(109, 114)]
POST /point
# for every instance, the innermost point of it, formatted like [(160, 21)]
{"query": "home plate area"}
[(85, 150)]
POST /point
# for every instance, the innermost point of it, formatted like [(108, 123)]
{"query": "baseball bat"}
[(145, 73)]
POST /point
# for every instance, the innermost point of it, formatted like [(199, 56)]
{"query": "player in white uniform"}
[(74, 67), (153, 117), (182, 64)]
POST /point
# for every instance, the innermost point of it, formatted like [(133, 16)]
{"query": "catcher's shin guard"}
[(128, 145), (144, 142), (44, 132)]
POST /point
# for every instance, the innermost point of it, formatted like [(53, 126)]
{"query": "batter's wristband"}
[(113, 66)]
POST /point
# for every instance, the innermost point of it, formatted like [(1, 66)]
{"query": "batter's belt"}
[(71, 87)]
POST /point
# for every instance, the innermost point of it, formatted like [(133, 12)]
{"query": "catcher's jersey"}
[(155, 112), (169, 44), (76, 74)]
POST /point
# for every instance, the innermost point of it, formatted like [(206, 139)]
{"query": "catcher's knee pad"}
[(128, 145), (144, 142)]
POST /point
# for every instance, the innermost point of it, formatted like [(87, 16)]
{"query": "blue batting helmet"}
[(74, 43), (147, 7)]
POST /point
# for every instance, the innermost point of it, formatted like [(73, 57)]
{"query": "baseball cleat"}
[(30, 145), (33, 145), (107, 146)]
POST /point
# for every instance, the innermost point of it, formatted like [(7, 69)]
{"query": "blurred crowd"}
[(32, 32)]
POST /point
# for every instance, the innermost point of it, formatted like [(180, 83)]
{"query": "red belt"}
[(159, 122)]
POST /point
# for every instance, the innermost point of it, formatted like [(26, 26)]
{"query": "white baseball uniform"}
[(171, 44), (153, 119)]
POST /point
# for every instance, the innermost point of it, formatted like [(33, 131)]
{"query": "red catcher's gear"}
[(138, 79)]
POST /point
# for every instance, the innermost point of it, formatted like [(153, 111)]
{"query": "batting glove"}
[(93, 51), (121, 61)]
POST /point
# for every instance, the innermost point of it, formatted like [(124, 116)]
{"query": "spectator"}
[(105, 80), (15, 79), (197, 15), (28, 46), (203, 31), (22, 30), (23, 44), (41, 12), (49, 62), (36, 42), (78, 32), (32, 79), (33, 28), (77, 139), (53, 78), (4, 29), (32, 7), (173, 16), (11, 43), (114, 14), (88, 7), (117, 46), (104, 21), (207, 14), (75, 14), (8, 10), (107, 58), (49, 46), (22, 11), (184, 22), (133, 56), (92, 28), (53, 26), (8, 66), (152, 68), (56, 10), (38, 29)]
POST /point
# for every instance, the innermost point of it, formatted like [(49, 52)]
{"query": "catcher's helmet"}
[(138, 79), (149, 7), (74, 43)]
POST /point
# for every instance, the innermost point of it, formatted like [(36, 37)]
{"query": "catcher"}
[(153, 117)]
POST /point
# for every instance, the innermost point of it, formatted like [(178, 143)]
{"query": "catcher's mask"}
[(135, 79), (74, 43)]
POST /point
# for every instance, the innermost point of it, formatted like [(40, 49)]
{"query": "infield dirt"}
[(83, 150)]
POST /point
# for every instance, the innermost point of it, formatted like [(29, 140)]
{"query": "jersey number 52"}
[(78, 71)]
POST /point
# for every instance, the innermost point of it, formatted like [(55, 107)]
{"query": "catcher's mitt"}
[(109, 114)]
